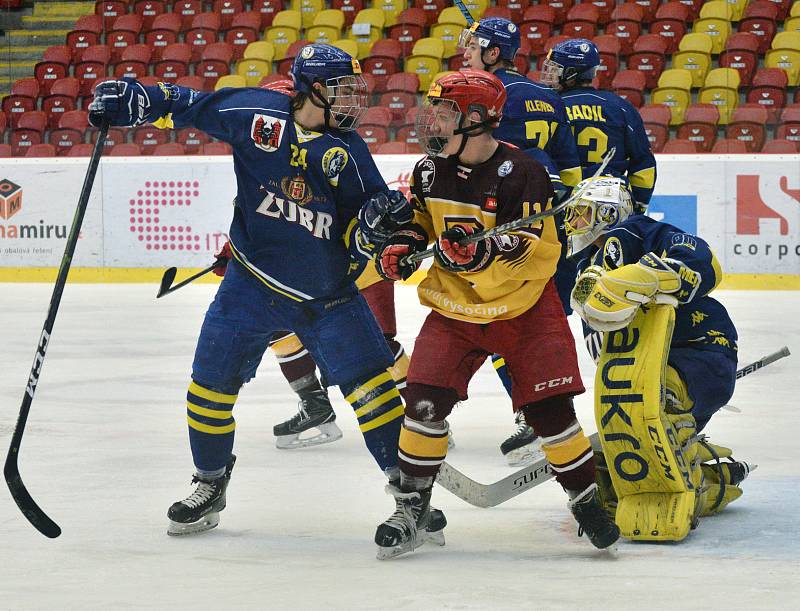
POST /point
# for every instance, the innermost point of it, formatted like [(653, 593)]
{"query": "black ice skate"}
[(412, 524), (316, 414), (200, 510), (592, 518), (524, 446)]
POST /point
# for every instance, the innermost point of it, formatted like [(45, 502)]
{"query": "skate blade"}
[(526, 455), (436, 537), (328, 433), (207, 522), (387, 553)]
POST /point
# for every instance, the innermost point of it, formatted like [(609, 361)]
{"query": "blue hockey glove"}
[(122, 103), (384, 214)]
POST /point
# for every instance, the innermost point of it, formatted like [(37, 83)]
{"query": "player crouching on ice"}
[(309, 203), (496, 295), (664, 370)]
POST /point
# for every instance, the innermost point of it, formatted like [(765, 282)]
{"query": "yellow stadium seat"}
[(674, 92), (366, 29), (230, 80), (694, 55), (738, 8), (722, 90), (330, 16), (452, 15), (477, 7), (718, 29), (793, 23), (448, 33), (785, 54), (391, 10), (260, 49), (291, 19), (308, 9), (281, 38), (323, 33), (425, 60), (348, 46), (718, 9), (795, 10), (253, 70)]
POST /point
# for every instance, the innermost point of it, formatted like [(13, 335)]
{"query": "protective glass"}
[(551, 73), (436, 121), (347, 96)]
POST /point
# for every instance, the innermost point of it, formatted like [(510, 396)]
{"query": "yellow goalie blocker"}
[(651, 456)]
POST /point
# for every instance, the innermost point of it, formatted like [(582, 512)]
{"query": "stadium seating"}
[(721, 88), (537, 26), (769, 90), (741, 52), (671, 23), (656, 119), (630, 84), (694, 55), (781, 147), (626, 25), (63, 98), (677, 146), (41, 150), (748, 124), (700, 126), (674, 91), (649, 57), (760, 20), (723, 146)]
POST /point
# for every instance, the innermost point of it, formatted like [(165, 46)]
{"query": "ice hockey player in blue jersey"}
[(625, 261), (309, 202), (601, 119)]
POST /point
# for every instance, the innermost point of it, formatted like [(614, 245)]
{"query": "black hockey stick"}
[(24, 501), (169, 276), (465, 11), (490, 495)]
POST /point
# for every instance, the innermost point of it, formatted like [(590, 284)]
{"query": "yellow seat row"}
[(720, 88)]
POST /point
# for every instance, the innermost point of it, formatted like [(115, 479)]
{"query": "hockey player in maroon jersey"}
[(496, 295)]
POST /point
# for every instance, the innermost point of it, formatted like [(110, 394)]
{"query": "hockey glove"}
[(225, 255), (463, 258), (122, 103), (674, 277), (384, 214), (398, 246)]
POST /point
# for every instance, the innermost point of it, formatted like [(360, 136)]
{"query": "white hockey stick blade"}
[(491, 495)]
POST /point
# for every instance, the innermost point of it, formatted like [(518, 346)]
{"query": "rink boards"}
[(148, 214)]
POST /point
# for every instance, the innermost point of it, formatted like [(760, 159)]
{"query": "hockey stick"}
[(519, 223), (465, 11), (169, 276), (24, 501), (490, 495)]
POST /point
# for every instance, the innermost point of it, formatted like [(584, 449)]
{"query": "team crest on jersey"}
[(505, 168), (427, 174), (333, 162), (612, 254), (296, 189), (267, 132)]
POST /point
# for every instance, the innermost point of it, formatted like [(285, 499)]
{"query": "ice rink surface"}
[(106, 452)]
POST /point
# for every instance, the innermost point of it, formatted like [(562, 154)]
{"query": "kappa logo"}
[(267, 132), (766, 206), (10, 198)]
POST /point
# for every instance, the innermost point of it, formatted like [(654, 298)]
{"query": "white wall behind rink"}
[(157, 212)]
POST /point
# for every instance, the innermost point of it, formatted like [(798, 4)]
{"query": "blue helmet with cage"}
[(493, 32), (569, 62), (345, 97)]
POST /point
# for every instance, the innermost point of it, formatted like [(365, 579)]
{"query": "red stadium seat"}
[(29, 131), (748, 124), (723, 146), (582, 21), (374, 136), (93, 67), (626, 25), (81, 150), (217, 148), (187, 10), (700, 126), (148, 10), (679, 147), (71, 130), (562, 7), (169, 149), (109, 10), (148, 137), (135, 60), (41, 150), (24, 93), (267, 9), (656, 118), (789, 128), (164, 32), (115, 136), (649, 8), (671, 23), (227, 10), (783, 8), (769, 90), (244, 30), (383, 61), (63, 98), (54, 66), (377, 115), (537, 26), (761, 20), (503, 12), (215, 63), (432, 9), (87, 32), (523, 58), (630, 84), (408, 29), (174, 62), (408, 134), (192, 82), (192, 139), (125, 33), (3, 122), (125, 150), (6, 151), (203, 32), (649, 57), (610, 50), (285, 64), (394, 148), (741, 52), (517, 8), (781, 147)]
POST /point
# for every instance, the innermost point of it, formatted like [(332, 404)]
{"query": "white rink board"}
[(746, 206)]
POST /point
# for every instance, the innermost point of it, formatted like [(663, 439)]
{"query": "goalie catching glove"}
[(609, 300)]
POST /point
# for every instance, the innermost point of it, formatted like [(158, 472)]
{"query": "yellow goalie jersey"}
[(508, 186)]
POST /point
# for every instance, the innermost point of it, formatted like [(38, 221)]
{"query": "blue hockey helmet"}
[(493, 32), (569, 62), (340, 73)]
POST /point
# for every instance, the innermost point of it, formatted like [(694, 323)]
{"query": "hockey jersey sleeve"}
[(698, 268), (641, 161), (422, 216)]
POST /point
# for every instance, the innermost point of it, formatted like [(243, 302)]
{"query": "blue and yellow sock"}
[(211, 428)]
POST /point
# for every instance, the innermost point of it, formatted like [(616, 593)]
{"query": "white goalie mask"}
[(604, 205)]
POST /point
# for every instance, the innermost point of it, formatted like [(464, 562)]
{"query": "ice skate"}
[(524, 446), (407, 528), (315, 415), (200, 510), (592, 518)]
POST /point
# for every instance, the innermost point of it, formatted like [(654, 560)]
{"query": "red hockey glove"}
[(467, 258), (224, 254), (399, 245)]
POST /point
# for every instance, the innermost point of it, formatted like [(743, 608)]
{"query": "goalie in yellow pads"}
[(668, 363)]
